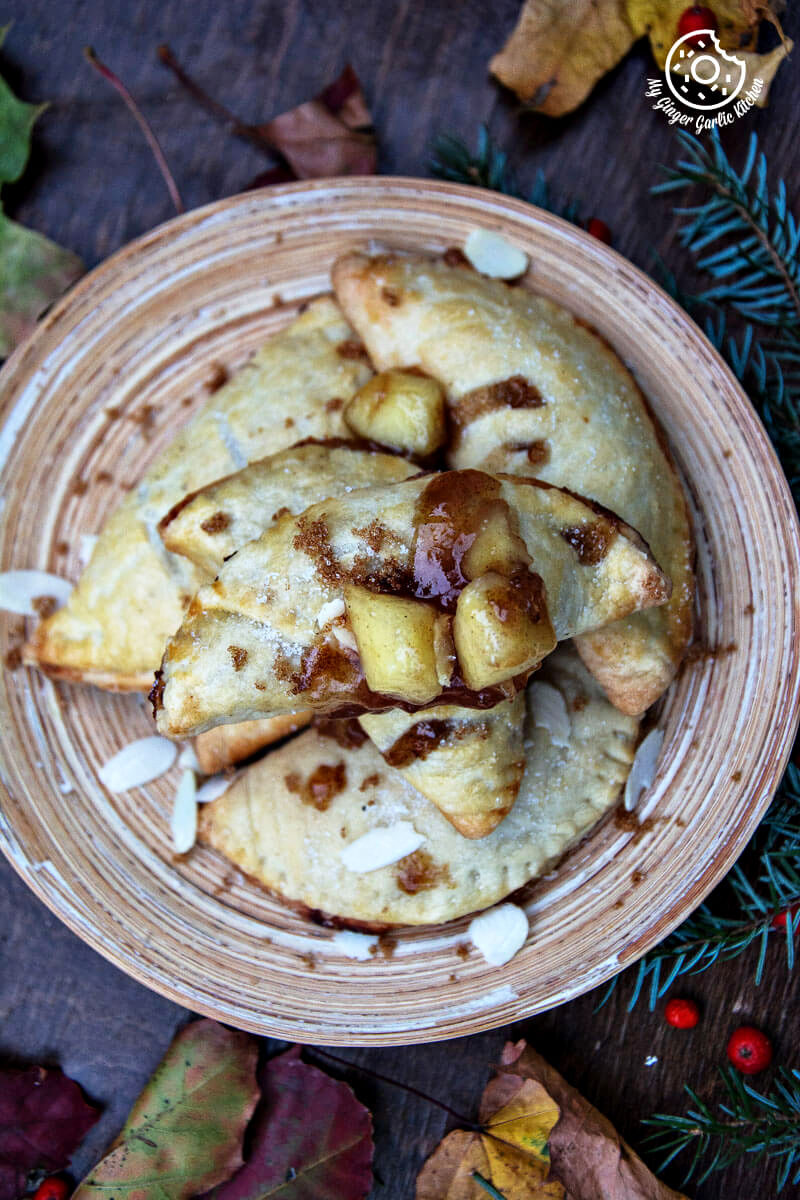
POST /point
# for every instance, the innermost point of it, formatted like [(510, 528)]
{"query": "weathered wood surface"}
[(93, 186)]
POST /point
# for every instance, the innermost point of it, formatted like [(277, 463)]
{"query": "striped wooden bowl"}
[(142, 336)]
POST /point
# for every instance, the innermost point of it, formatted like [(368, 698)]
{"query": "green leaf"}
[(33, 273), (16, 122), (184, 1133)]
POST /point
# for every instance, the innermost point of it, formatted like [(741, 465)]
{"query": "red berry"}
[(683, 1014), (779, 920), (599, 229), (749, 1050), (55, 1187), (694, 19)]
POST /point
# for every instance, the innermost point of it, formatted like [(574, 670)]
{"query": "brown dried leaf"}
[(329, 135), (510, 1152), (588, 1156), (558, 51)]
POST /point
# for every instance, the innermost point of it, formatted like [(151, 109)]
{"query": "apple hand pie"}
[(451, 596), (469, 763), (213, 523), (133, 592), (533, 391), (303, 822)]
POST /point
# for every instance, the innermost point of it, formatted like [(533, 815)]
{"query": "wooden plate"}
[(93, 397)]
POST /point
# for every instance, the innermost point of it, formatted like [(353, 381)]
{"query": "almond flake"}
[(499, 933), (355, 945), (492, 254), (213, 788), (643, 768), (382, 846), (345, 637), (86, 546), (184, 814), (550, 712), (188, 760), (138, 763), (330, 611), (19, 589)]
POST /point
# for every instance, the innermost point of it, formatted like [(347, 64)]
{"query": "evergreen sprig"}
[(743, 238), (742, 234), (747, 1122), (488, 167)]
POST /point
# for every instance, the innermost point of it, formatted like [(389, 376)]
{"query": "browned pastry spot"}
[(216, 523), (323, 784), (514, 392), (391, 296), (238, 657), (454, 257), (353, 349), (217, 376), (375, 535), (418, 872), (313, 540), (591, 542), (44, 606), (418, 742)]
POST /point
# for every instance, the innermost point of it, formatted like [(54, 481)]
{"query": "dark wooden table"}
[(93, 186)]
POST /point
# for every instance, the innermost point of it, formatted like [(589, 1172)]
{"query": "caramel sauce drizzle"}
[(419, 741), (452, 510)]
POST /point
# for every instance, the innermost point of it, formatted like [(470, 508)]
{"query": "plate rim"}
[(787, 519)]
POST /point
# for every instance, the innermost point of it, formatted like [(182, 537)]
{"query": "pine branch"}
[(488, 167), (743, 236), (748, 1122)]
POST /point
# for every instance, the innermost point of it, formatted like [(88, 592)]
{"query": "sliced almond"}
[(494, 255), (138, 763), (355, 945), (643, 768), (499, 933), (19, 590), (382, 846), (549, 711), (184, 814), (213, 787)]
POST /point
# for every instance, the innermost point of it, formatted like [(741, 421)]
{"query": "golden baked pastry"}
[(533, 391), (287, 819), (468, 763), (133, 593), (340, 607), (213, 523), (226, 745)]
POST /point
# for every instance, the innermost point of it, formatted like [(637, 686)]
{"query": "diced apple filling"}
[(401, 410), (396, 643), (498, 635), (497, 547)]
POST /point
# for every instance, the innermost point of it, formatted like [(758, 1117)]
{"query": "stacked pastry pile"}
[(459, 479)]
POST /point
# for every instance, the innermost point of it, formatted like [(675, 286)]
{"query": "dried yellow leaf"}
[(658, 20), (558, 51)]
